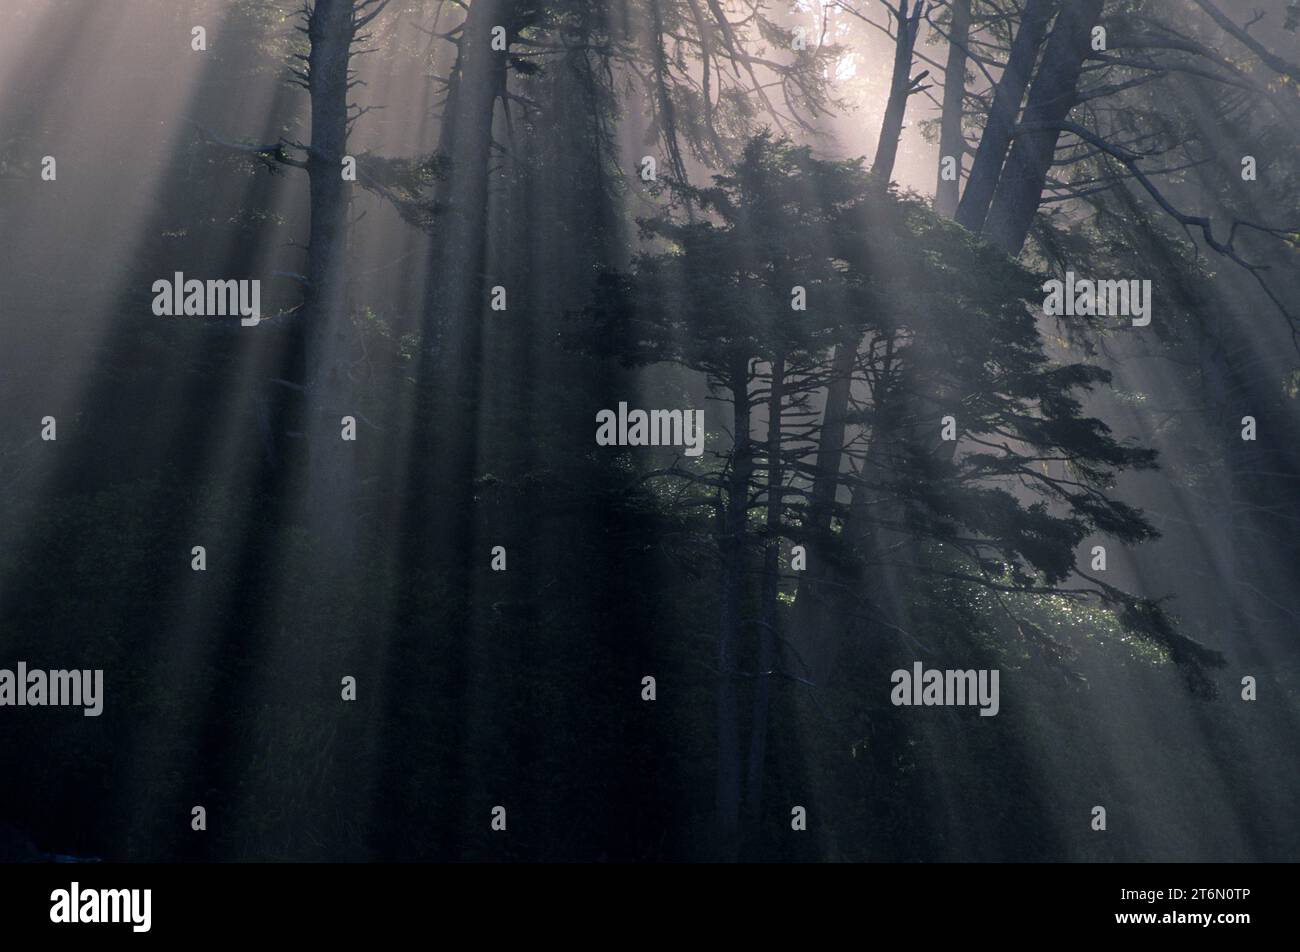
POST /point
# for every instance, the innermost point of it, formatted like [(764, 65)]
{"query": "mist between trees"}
[(542, 430)]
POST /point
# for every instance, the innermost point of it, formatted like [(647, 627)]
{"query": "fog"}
[(359, 571)]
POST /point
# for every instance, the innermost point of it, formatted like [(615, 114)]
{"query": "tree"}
[(324, 336), (1051, 98), (719, 305), (315, 361), (1003, 113), (901, 87), (952, 140)]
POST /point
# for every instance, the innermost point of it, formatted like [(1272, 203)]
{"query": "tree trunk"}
[(1051, 98), (733, 544), (900, 89), (326, 321), (1010, 91), (872, 528), (771, 587), (951, 141), (809, 629), (830, 443), (809, 625), (456, 291), (444, 450)]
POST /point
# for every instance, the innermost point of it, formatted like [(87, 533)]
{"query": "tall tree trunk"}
[(1001, 123), (830, 443), (734, 535), (809, 626), (951, 140), (809, 631), (771, 587), (830, 439), (326, 324), (444, 450), (1051, 98), (900, 89), (871, 528), (809, 634), (478, 80)]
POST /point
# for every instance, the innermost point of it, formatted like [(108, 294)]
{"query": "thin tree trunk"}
[(830, 440), (733, 543), (830, 444), (871, 526), (1007, 96), (1051, 98), (951, 140), (808, 631), (771, 587), (809, 634), (900, 89)]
